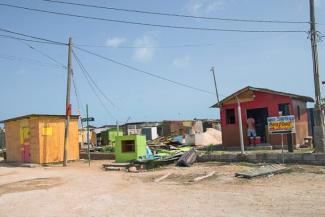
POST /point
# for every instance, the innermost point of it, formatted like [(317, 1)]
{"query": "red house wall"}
[(230, 132)]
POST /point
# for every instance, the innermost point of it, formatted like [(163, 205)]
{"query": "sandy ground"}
[(79, 190)]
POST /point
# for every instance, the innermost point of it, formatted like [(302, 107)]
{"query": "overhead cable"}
[(83, 70), (149, 24), (24, 39), (30, 36), (93, 81), (144, 72), (177, 15)]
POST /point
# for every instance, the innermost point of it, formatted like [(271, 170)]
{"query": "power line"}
[(209, 44), (144, 72), (135, 47), (28, 60), (23, 39), (47, 56), (93, 81), (79, 104), (83, 70), (30, 36), (58, 63), (149, 24), (178, 15)]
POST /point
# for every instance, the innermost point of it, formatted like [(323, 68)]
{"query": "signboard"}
[(281, 124), (89, 119), (47, 131)]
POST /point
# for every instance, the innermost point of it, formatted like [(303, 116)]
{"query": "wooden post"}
[(68, 106)]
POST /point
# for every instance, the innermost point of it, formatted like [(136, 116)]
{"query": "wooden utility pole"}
[(319, 135), (68, 105), (240, 127)]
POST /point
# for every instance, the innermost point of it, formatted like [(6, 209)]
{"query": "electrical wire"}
[(177, 15), (93, 81), (83, 70), (149, 24), (47, 56), (58, 63), (79, 104), (28, 61), (210, 44), (135, 47), (23, 39), (30, 36), (144, 72)]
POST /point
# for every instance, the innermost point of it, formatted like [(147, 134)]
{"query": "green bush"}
[(108, 148)]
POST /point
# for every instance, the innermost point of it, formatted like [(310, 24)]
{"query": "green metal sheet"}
[(123, 152)]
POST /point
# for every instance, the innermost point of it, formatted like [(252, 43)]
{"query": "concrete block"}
[(252, 158), (261, 157), (242, 157), (308, 157), (215, 157), (228, 157), (320, 157), (203, 158), (273, 156), (294, 158)]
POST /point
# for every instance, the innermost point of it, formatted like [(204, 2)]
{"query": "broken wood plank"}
[(117, 165), (163, 177), (204, 177), (114, 168), (262, 171)]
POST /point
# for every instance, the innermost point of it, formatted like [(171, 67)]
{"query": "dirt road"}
[(78, 190)]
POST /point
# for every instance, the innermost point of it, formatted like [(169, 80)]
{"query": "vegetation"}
[(108, 148)]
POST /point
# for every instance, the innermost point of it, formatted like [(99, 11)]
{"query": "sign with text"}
[(281, 124), (89, 119)]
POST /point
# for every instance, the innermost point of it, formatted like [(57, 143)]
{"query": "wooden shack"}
[(39, 138), (259, 104)]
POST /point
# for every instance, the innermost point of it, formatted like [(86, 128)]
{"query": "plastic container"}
[(257, 140), (251, 141)]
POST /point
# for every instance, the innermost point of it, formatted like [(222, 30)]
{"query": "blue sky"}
[(31, 83)]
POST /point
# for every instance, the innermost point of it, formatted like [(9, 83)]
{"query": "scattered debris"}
[(204, 177), (116, 166), (262, 171), (187, 159), (163, 177), (133, 169)]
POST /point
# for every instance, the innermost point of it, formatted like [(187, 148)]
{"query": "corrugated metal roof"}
[(265, 90), (37, 115)]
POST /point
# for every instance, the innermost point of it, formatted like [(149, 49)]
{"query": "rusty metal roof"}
[(265, 90)]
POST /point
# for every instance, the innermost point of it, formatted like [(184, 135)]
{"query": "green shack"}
[(130, 147), (108, 136)]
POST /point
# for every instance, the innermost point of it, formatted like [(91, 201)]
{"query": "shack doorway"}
[(260, 116)]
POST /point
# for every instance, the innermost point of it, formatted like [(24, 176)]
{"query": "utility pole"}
[(87, 117), (240, 126), (319, 135), (215, 83), (68, 105)]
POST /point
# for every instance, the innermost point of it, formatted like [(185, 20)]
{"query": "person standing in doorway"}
[(251, 132)]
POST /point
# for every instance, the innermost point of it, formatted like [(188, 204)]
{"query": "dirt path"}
[(82, 191)]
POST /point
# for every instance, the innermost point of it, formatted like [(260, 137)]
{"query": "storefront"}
[(258, 104)]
